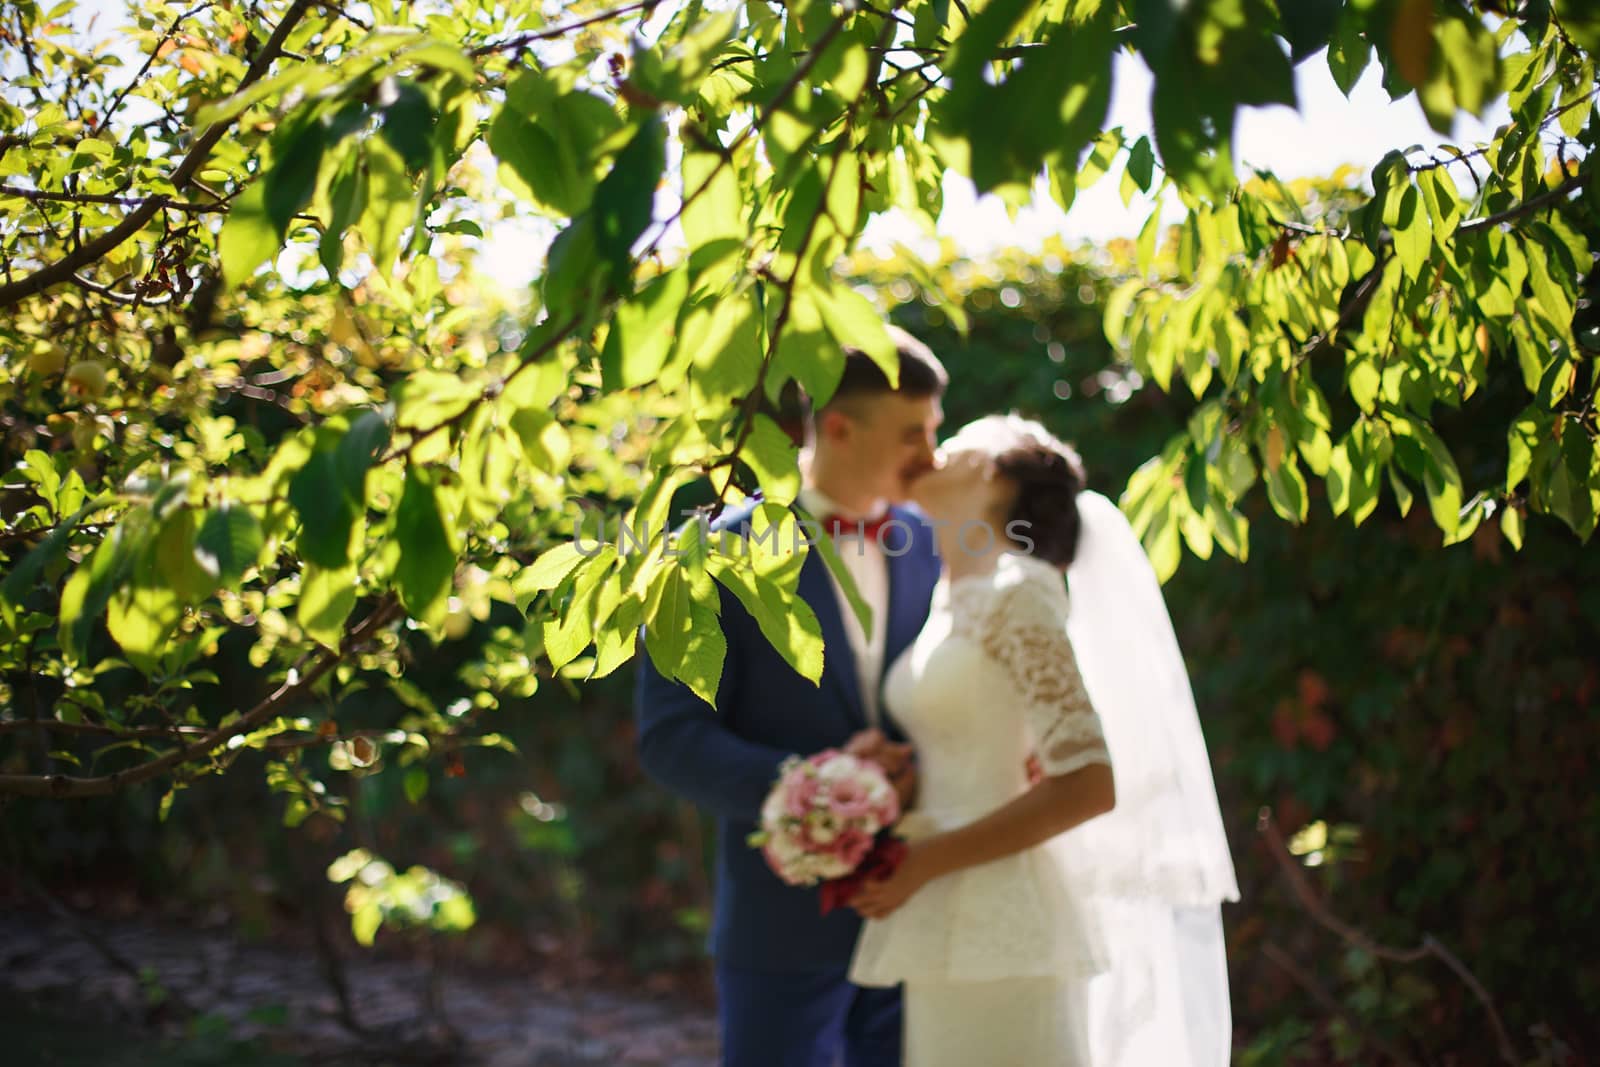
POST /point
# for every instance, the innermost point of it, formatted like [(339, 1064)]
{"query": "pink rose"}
[(852, 847), (800, 795), (851, 798)]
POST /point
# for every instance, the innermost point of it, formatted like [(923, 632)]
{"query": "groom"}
[(783, 996)]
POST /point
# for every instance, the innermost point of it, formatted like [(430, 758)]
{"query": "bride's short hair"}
[(1048, 474)]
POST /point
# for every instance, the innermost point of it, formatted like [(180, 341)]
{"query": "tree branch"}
[(752, 401), (523, 40), (149, 61), (1527, 207), (40, 196), (1319, 911), (1330, 1004), (120, 732), (56, 786), (63, 269)]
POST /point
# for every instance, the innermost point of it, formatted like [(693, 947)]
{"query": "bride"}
[(1072, 920)]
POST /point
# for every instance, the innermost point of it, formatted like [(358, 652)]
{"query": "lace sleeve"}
[(1027, 634)]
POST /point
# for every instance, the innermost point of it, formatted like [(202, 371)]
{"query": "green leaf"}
[(347, 197), (229, 542), (292, 179), (408, 124), (175, 557), (700, 667), (306, 77), (855, 323), (327, 515), (1286, 490), (364, 923), (623, 200), (1570, 494), (574, 276), (1141, 163), (552, 568), (1443, 202), (1440, 477), (566, 637), (327, 596), (1002, 133), (1402, 492), (674, 73), (544, 440), (772, 454), (358, 449), (249, 237), (785, 620), (1413, 231), (415, 783), (806, 353), (389, 209), (1309, 24), (669, 627), (723, 339), (1530, 429), (1553, 299), (846, 580), (19, 582), (427, 554), (549, 138), (142, 618), (427, 399), (643, 330), (1511, 525), (712, 214)]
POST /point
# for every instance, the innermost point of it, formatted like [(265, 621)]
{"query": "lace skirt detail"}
[(1012, 918)]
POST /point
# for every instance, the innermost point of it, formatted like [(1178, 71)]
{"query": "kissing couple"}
[(1020, 683)]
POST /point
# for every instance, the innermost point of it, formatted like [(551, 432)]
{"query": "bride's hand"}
[(878, 899)]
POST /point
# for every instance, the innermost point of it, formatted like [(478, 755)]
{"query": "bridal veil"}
[(1158, 865)]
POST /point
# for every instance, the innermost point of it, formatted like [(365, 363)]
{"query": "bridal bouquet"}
[(822, 820)]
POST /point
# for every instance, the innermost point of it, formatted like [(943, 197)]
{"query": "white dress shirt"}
[(864, 559)]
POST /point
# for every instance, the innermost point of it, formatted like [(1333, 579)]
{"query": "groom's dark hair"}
[(921, 374)]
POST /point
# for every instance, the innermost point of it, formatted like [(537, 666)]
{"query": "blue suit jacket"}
[(726, 758)]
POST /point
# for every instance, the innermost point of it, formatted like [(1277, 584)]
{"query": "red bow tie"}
[(840, 526)]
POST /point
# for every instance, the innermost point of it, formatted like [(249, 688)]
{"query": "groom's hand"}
[(905, 784), (895, 758)]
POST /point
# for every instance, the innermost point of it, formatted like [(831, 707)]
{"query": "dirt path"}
[(63, 1000)]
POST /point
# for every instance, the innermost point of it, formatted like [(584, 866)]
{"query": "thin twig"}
[(128, 732), (523, 40), (1319, 911), (63, 269), (1527, 207), (334, 9), (294, 686), (557, 336), (752, 401), (149, 61), (1330, 1004), (725, 156), (133, 300), (159, 202)]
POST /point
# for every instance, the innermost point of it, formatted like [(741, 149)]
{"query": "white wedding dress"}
[(996, 959), (1103, 947)]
